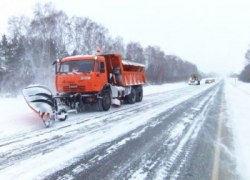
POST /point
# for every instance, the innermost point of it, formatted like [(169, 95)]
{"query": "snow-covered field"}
[(21, 130), (238, 100)]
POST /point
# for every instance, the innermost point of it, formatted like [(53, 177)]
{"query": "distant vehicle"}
[(194, 79), (208, 81)]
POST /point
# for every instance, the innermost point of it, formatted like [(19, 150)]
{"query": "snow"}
[(17, 119), (175, 133), (100, 128), (153, 89), (238, 100), (131, 63)]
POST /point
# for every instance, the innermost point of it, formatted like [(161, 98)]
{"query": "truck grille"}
[(73, 88)]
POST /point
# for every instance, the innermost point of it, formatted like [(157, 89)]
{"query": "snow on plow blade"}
[(40, 99)]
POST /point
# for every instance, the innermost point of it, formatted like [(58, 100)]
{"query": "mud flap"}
[(116, 102), (40, 99)]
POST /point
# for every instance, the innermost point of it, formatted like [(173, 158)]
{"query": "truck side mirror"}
[(55, 63), (56, 68)]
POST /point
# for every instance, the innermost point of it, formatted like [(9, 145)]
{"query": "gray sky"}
[(214, 34)]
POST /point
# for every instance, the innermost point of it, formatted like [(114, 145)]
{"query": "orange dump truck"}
[(104, 79)]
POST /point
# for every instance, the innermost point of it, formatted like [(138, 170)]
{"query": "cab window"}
[(100, 67)]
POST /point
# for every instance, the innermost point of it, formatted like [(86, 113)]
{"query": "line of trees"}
[(245, 73), (32, 45)]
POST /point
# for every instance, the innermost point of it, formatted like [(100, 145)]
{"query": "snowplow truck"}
[(194, 79), (90, 79)]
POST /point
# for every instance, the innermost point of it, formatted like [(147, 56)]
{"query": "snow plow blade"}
[(40, 100)]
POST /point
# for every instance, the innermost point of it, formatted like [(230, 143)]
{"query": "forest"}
[(32, 44), (245, 73)]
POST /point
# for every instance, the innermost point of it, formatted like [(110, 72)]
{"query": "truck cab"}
[(82, 74)]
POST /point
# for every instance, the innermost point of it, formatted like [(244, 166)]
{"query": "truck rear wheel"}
[(132, 96), (105, 102), (139, 94)]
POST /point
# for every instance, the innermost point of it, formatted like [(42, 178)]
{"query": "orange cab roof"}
[(79, 57)]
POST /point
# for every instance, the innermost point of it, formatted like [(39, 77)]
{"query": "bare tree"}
[(33, 44), (135, 52)]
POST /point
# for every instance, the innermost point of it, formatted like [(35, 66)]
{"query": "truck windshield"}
[(77, 66)]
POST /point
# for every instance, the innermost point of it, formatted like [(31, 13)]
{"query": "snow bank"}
[(238, 100), (17, 117), (152, 89)]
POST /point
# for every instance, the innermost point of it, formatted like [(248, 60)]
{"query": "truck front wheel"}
[(105, 102)]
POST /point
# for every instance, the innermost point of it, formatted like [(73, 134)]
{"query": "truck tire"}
[(132, 96), (139, 94), (63, 115), (105, 102)]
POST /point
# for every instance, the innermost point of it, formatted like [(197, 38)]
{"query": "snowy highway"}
[(171, 134)]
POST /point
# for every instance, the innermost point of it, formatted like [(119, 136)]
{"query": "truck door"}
[(101, 75)]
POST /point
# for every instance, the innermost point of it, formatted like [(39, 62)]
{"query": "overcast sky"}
[(214, 34)]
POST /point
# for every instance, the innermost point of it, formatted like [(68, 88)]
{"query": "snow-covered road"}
[(159, 138), (176, 132)]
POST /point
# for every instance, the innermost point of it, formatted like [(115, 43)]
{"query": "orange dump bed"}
[(122, 72)]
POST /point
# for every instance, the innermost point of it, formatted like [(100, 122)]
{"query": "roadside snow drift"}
[(238, 99)]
